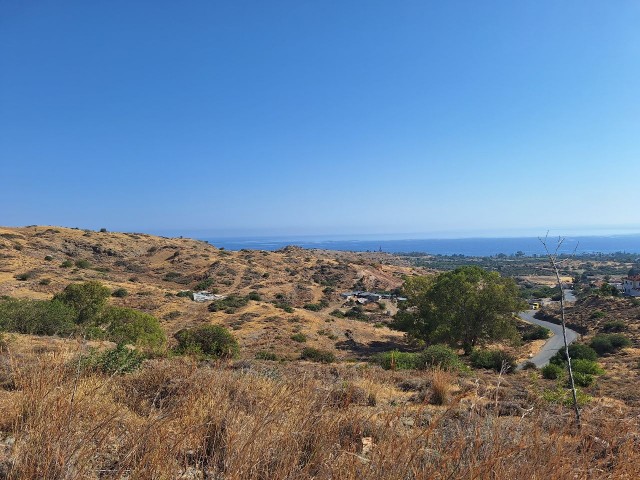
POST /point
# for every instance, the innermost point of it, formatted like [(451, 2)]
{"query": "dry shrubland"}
[(175, 418)]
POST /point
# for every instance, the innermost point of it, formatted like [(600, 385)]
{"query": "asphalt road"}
[(555, 343)]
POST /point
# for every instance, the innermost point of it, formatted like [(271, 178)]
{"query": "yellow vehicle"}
[(535, 306)]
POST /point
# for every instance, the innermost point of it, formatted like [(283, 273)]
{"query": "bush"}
[(66, 264), (255, 296), (87, 299), (337, 313), (586, 366), (128, 326), (204, 284), (552, 371), (438, 356), (564, 397), (317, 355), (210, 341), (357, 313), (264, 355), (582, 379), (120, 293), (314, 307), (395, 360), (536, 333), (83, 264), (597, 314), (185, 294), (497, 360), (23, 277), (577, 351), (48, 258), (117, 360), (609, 343), (37, 317), (614, 326), (299, 337), (231, 302)]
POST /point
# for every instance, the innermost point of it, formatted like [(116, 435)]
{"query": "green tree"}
[(132, 327), (38, 317), (464, 307), (87, 299), (209, 341)]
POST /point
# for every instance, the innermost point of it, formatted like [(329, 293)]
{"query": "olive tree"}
[(464, 307)]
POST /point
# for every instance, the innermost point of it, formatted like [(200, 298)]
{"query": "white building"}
[(205, 296), (631, 286)]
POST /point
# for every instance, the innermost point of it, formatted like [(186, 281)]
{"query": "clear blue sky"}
[(325, 117)]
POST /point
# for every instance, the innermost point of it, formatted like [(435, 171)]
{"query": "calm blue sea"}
[(464, 246)]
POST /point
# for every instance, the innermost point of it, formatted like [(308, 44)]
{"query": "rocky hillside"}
[(149, 271)]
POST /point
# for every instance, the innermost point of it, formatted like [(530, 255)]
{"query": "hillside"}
[(37, 262), (181, 417)]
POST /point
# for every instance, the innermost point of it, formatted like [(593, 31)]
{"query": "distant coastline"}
[(480, 247)]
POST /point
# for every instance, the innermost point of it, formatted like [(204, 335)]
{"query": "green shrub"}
[(204, 284), (185, 294), (66, 264), (83, 263), (609, 343), (438, 356), (597, 314), (564, 396), (586, 367), (209, 341), (255, 296), (87, 299), (395, 360), (356, 313), (230, 302), (48, 258), (337, 313), (581, 379), (299, 337), (576, 351), (120, 293), (23, 277), (37, 317), (552, 371), (132, 327), (497, 360), (537, 333), (44, 281), (317, 355), (264, 355), (117, 360), (614, 326), (314, 307)]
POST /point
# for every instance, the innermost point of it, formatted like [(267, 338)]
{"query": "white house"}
[(205, 296), (631, 286)]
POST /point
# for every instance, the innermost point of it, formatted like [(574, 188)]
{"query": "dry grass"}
[(175, 419)]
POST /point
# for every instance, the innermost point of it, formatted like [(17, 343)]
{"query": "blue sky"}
[(456, 118)]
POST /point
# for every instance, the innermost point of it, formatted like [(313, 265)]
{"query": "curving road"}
[(554, 343)]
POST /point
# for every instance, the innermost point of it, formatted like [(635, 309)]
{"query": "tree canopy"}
[(464, 307)]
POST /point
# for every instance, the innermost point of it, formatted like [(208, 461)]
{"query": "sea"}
[(476, 247)]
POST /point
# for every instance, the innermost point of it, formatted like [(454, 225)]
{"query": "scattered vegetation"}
[(317, 355), (208, 341)]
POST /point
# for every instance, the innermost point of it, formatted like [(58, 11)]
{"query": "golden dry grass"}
[(177, 419)]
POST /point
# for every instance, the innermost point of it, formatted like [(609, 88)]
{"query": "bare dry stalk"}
[(553, 259)]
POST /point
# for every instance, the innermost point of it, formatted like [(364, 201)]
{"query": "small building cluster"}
[(370, 297), (205, 296), (631, 285)]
